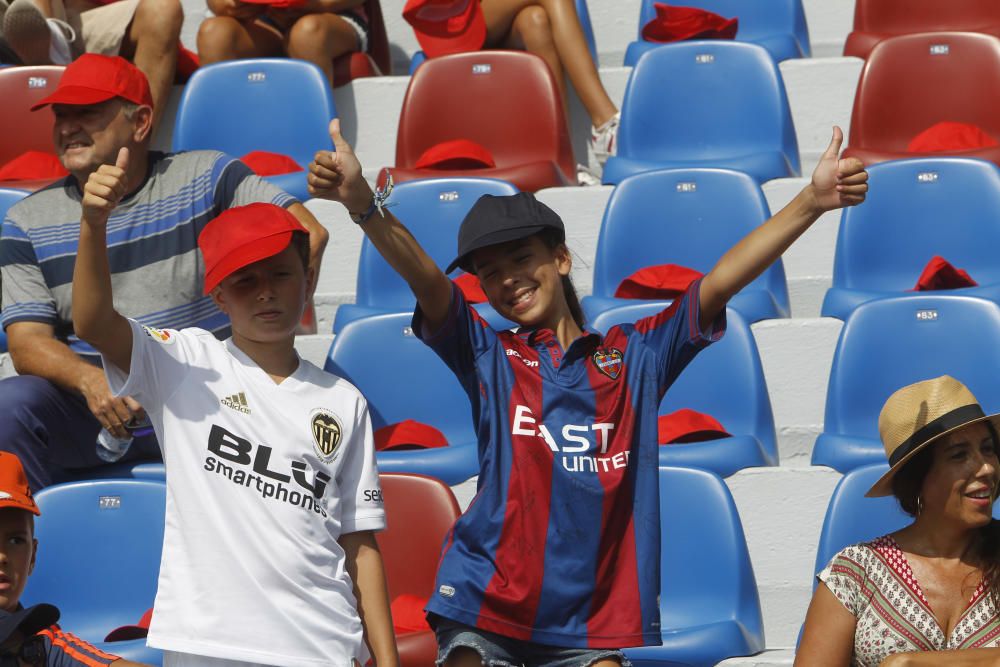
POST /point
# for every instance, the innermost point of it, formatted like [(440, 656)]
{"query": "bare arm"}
[(828, 635), (364, 564), (977, 657), (835, 183), (318, 237), (337, 176), (94, 316)]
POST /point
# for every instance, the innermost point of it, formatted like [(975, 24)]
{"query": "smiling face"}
[(86, 136), (17, 554), (961, 483), (265, 300), (523, 280)]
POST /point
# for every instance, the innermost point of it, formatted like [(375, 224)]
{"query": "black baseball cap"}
[(30, 621), (498, 219)]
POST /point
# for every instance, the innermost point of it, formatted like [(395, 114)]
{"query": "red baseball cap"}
[(456, 154), (243, 235), (675, 24), (93, 78), (14, 489), (127, 632), (687, 425), (446, 26), (408, 434)]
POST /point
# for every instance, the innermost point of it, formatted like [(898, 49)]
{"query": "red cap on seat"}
[(93, 78), (408, 614), (456, 154), (243, 235), (675, 24), (687, 425), (446, 26), (408, 434), (949, 136), (264, 163), (33, 166), (664, 281), (940, 274), (14, 489), (127, 632)]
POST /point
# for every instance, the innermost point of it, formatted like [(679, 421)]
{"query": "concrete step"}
[(782, 657)]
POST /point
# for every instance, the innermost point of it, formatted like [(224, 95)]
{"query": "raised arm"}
[(94, 316), (337, 176), (835, 184), (364, 564)]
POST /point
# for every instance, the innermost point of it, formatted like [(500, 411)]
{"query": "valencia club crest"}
[(609, 361)]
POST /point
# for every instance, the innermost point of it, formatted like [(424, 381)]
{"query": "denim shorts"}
[(499, 651)]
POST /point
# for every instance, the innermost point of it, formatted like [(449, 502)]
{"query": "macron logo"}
[(237, 402)]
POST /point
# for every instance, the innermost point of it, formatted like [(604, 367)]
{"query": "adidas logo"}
[(237, 402)]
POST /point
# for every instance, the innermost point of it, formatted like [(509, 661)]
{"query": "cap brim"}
[(20, 503), (39, 617), (883, 487), (75, 95), (500, 236), (246, 255), (127, 633)]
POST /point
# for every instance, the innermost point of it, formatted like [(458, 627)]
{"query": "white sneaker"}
[(603, 139), (35, 39), (586, 177)]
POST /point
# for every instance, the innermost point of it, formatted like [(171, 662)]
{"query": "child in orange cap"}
[(269, 554)]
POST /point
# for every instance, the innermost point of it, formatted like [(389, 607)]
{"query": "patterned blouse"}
[(874, 582)]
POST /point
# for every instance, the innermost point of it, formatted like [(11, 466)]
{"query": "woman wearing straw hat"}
[(912, 597)]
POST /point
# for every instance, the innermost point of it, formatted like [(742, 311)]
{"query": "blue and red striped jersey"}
[(560, 546)]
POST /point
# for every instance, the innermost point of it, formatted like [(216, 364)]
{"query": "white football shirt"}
[(262, 478)]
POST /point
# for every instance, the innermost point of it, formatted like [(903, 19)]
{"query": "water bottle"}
[(111, 448)]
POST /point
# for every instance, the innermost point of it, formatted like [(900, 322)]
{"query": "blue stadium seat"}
[(403, 379), (889, 343), (917, 209), (689, 217), (777, 25), (8, 197), (709, 607), (279, 105), (706, 104), (726, 381), (432, 210), (99, 548)]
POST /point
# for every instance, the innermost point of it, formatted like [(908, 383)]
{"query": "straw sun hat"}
[(917, 415)]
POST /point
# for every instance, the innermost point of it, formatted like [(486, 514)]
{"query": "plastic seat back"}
[(889, 343), (506, 101), (99, 546), (706, 100), (689, 217), (419, 512), (400, 376), (432, 210), (875, 20), (917, 209), (22, 129), (910, 83), (279, 105), (9, 197)]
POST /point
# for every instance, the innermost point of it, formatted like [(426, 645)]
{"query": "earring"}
[(920, 505)]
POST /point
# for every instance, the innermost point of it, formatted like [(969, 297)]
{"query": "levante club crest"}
[(609, 361)]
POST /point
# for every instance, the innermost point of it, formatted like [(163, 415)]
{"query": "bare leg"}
[(319, 38), (151, 43), (225, 38), (531, 32), (463, 657)]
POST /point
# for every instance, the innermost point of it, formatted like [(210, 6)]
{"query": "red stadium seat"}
[(913, 82), (419, 513), (505, 101), (22, 130), (875, 20), (376, 61)]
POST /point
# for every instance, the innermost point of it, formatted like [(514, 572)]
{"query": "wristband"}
[(383, 188)]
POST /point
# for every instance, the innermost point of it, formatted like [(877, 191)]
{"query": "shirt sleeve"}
[(26, 296), (675, 335), (67, 650), (237, 185), (846, 577), (161, 359), (357, 483), (462, 339)]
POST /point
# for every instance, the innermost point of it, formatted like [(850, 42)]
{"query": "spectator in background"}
[(53, 413), (31, 634), (145, 32), (317, 31)]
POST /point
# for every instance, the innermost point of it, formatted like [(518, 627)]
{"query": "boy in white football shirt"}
[(269, 555)]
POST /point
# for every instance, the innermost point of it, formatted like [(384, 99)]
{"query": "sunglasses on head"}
[(31, 652)]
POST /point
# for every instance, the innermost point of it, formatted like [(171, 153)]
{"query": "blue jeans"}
[(54, 433), (499, 651)]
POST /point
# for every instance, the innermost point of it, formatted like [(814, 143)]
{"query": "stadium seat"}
[(419, 512), (706, 104), (709, 607), (889, 343), (875, 20), (726, 381), (916, 209), (777, 25), (20, 128), (277, 105), (112, 581), (402, 378), (469, 96), (689, 217), (913, 82), (432, 209)]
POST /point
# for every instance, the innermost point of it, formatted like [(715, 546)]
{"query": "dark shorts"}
[(499, 651)]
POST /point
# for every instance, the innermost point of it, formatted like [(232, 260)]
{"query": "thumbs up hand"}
[(104, 189), (337, 175), (838, 182)]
